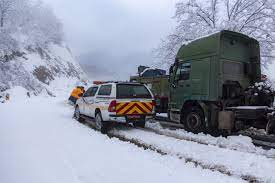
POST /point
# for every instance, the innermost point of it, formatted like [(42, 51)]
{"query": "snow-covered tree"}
[(6, 7), (25, 23), (196, 18), (41, 26)]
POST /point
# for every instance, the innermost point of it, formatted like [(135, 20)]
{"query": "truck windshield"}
[(132, 91)]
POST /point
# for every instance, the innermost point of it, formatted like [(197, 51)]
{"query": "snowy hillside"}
[(36, 69), (33, 52)]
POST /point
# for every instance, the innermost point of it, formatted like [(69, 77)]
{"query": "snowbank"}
[(239, 143), (17, 93), (239, 164)]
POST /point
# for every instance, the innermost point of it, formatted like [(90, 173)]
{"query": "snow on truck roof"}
[(217, 33)]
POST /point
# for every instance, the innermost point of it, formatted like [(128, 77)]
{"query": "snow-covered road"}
[(40, 142), (249, 166), (235, 142)]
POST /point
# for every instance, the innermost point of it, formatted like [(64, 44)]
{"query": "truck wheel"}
[(77, 115), (140, 124), (100, 125), (193, 120)]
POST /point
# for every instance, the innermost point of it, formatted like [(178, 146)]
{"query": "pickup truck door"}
[(89, 106), (81, 105), (90, 102)]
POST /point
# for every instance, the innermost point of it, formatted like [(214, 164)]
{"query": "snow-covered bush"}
[(260, 93), (13, 74)]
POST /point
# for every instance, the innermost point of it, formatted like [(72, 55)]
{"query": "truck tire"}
[(100, 125), (193, 120), (77, 115), (140, 124)]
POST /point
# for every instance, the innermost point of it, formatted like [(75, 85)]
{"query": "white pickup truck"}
[(116, 102)]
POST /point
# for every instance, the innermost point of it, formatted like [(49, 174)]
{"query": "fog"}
[(111, 38)]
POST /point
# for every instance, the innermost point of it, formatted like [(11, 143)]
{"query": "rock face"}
[(36, 68)]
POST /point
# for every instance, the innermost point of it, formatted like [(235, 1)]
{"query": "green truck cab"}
[(209, 86), (209, 78)]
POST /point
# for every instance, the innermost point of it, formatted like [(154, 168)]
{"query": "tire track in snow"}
[(219, 168), (169, 133), (185, 157), (202, 142)]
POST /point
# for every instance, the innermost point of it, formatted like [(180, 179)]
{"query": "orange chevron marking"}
[(122, 111), (120, 105), (134, 108)]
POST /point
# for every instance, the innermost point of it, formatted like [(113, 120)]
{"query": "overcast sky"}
[(114, 36)]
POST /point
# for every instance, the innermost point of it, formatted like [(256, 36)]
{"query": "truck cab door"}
[(181, 86)]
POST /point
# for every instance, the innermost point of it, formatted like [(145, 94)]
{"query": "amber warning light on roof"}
[(99, 82)]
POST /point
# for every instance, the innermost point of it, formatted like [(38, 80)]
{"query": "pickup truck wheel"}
[(100, 124), (140, 124), (193, 120), (77, 115)]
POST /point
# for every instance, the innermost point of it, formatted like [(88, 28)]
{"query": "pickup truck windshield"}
[(132, 91)]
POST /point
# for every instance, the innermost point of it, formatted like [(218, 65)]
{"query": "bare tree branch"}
[(255, 18)]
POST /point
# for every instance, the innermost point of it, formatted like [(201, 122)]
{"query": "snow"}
[(56, 61), (2, 100), (62, 51), (240, 164), (56, 53), (40, 142), (145, 70), (249, 107), (200, 37), (17, 93), (239, 143), (162, 115), (33, 61), (63, 86), (271, 71)]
